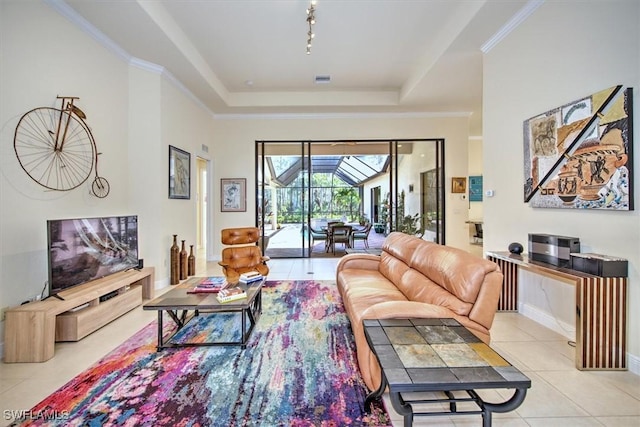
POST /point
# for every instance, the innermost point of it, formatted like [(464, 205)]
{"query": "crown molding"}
[(363, 115), (68, 12), (148, 66), (511, 25)]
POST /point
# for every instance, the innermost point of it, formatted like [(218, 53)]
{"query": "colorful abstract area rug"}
[(299, 369)]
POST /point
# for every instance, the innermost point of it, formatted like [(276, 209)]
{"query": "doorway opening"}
[(203, 213)]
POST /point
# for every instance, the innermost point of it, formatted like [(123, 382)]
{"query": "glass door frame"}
[(305, 202)]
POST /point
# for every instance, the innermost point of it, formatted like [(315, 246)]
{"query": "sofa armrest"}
[(360, 261)]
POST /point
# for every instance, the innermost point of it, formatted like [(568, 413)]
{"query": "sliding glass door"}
[(304, 185), (282, 183)]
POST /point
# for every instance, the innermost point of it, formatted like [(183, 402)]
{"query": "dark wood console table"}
[(601, 309)]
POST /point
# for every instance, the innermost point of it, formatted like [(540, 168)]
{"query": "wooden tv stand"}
[(32, 329)]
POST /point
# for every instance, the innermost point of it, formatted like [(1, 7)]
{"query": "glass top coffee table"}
[(439, 355), (182, 307)]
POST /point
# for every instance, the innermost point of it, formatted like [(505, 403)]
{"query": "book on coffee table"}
[(212, 284), (231, 294), (213, 281), (250, 277)]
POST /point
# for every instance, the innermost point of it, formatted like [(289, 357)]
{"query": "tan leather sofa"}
[(416, 278)]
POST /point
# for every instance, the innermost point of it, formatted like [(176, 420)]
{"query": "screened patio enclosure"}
[(302, 186)]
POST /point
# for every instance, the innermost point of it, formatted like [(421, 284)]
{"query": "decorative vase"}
[(183, 262), (191, 263), (175, 261)]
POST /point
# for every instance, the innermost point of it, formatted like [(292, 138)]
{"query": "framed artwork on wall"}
[(179, 173), (459, 184), (475, 188), (580, 155), (233, 195)]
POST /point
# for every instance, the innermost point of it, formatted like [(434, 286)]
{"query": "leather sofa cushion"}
[(362, 288), (453, 269), (391, 267), (416, 287), (402, 246)]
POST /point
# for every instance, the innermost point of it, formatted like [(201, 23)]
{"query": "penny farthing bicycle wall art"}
[(56, 148)]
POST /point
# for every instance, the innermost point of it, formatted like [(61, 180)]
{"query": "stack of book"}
[(231, 294), (250, 277), (212, 284)]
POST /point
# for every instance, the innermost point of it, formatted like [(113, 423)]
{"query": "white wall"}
[(476, 168), (44, 56), (235, 147), (134, 113), (564, 51), (188, 126)]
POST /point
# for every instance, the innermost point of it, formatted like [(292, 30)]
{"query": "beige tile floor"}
[(560, 394)]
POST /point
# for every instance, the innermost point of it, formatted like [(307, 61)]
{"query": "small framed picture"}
[(179, 173), (233, 195), (459, 184)]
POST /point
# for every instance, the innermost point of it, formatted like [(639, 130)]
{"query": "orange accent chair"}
[(242, 255)]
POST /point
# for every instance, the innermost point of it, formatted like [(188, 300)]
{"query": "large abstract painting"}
[(579, 155)]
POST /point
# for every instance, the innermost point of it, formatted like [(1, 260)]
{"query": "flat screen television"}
[(84, 249)]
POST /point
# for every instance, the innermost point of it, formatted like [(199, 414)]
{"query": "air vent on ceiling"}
[(323, 79)]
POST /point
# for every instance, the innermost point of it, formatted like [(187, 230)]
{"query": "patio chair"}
[(362, 235), (242, 255), (340, 234), (329, 228), (478, 236), (320, 235)]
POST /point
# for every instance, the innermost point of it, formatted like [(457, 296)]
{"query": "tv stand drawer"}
[(75, 325)]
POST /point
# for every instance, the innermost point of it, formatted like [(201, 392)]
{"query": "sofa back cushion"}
[(455, 270), (417, 287), (397, 250), (391, 267), (432, 273), (401, 246)]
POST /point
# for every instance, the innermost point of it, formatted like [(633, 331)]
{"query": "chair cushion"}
[(239, 236)]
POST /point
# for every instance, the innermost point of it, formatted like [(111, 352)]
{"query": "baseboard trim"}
[(547, 320), (633, 363)]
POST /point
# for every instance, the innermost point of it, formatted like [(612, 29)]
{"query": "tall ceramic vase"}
[(183, 262), (191, 263), (175, 261)]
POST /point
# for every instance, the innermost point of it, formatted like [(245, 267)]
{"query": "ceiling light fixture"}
[(311, 20)]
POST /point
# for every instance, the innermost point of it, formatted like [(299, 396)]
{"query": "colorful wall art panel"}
[(580, 155)]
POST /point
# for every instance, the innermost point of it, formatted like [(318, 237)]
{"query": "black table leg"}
[(452, 401), (403, 408), (160, 343), (376, 393), (511, 404), (243, 313)]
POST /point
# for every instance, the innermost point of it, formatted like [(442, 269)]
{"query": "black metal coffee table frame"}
[(178, 304), (401, 379)]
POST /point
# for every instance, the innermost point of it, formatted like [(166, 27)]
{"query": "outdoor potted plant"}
[(381, 227)]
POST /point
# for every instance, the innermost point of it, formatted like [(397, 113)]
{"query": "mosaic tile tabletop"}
[(438, 352)]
